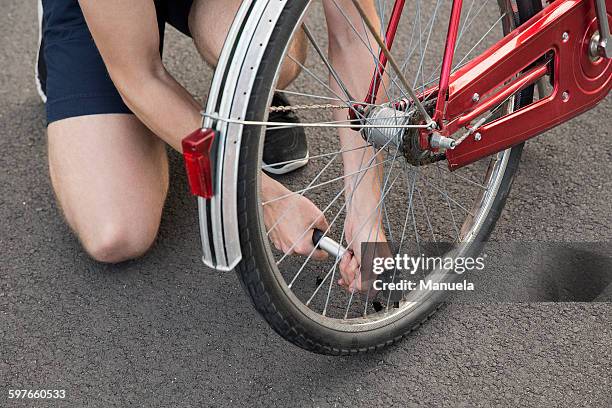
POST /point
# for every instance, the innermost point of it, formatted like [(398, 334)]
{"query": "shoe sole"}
[(288, 168), (41, 93)]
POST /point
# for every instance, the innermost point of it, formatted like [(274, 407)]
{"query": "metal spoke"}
[(350, 243), (318, 156), (392, 62), (328, 98), (329, 66), (375, 56), (420, 68), (427, 218), (450, 207), (466, 25), (444, 194), (454, 173), (347, 124), (316, 78), (288, 209), (411, 189), (481, 40), (348, 201), (420, 25), (360, 176), (427, 200), (300, 192)]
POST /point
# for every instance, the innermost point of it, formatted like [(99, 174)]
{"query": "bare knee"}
[(113, 200), (209, 41), (117, 242)]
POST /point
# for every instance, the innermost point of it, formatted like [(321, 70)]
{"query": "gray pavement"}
[(165, 331)]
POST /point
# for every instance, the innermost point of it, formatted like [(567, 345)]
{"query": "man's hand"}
[(363, 224), (290, 221)]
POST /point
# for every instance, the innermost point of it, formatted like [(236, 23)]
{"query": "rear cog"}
[(413, 153), (406, 140)]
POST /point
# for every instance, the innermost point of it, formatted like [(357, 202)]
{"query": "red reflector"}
[(196, 152)]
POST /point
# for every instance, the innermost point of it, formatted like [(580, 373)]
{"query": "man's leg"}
[(286, 149), (109, 172), (209, 21), (205, 18), (110, 176), (364, 220)]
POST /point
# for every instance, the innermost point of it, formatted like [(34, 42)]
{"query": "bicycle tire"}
[(254, 271)]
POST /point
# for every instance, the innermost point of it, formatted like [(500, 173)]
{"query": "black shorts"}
[(71, 71)]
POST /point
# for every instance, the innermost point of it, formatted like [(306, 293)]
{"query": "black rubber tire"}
[(256, 272)]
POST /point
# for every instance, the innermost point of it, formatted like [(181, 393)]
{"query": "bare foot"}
[(288, 218)]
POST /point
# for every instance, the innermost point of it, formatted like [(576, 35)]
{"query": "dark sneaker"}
[(285, 150), (41, 67)]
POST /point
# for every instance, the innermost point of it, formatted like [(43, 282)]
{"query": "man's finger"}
[(321, 223), (320, 255), (343, 266), (348, 268), (354, 268)]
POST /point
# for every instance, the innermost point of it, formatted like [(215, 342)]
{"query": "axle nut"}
[(441, 142)]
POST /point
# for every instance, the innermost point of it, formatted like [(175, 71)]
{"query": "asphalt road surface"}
[(165, 331)]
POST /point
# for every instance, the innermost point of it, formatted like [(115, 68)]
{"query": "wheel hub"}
[(387, 135), (391, 134)]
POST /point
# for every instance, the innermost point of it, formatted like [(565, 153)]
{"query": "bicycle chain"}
[(295, 108), (423, 159), (329, 106)]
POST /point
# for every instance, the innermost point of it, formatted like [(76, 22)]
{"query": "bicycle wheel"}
[(298, 296)]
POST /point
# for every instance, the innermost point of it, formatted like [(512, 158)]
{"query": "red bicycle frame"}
[(555, 41)]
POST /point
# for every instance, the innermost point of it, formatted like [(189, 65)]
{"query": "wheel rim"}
[(326, 173)]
